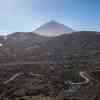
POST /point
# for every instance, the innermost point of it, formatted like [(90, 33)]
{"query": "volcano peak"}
[(53, 28)]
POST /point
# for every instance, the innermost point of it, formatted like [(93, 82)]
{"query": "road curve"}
[(13, 77), (18, 74), (84, 75)]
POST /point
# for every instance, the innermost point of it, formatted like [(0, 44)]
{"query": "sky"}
[(26, 15)]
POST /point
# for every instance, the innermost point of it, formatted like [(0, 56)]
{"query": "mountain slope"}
[(30, 46), (78, 40), (25, 39), (53, 28)]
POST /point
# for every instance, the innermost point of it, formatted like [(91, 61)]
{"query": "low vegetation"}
[(40, 98)]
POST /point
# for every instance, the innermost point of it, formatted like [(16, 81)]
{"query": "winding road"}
[(19, 74), (23, 63), (84, 75), (13, 77)]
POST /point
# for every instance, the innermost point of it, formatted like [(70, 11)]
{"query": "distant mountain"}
[(30, 46), (75, 40), (53, 28), (82, 39)]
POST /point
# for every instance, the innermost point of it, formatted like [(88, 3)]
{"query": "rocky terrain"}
[(31, 80), (34, 65)]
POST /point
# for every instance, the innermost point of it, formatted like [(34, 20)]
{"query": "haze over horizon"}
[(27, 15)]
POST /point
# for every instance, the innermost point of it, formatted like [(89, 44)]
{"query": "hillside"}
[(57, 58), (31, 46)]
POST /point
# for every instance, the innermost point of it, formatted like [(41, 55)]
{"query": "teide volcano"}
[(53, 28)]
